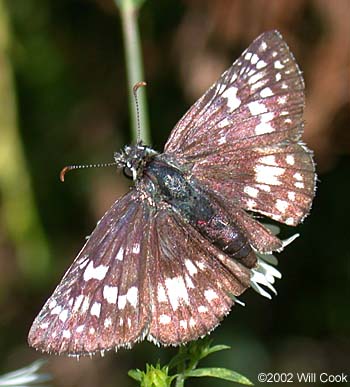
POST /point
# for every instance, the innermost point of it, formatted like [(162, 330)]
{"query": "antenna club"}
[(138, 85), (63, 172)]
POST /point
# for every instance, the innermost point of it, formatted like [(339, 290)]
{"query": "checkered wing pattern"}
[(142, 273), (242, 138)]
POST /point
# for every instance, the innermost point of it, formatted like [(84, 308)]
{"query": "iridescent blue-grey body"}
[(187, 198)]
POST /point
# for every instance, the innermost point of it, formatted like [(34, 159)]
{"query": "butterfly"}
[(168, 260)]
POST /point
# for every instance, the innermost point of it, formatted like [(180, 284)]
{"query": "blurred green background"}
[(63, 100)]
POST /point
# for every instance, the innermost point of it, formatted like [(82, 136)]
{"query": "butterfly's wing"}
[(193, 284), (103, 300), (143, 272), (242, 138)]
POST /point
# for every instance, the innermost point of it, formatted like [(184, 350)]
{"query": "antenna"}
[(134, 90), (70, 167)]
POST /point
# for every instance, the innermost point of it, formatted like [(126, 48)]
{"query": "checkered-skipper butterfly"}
[(168, 259)]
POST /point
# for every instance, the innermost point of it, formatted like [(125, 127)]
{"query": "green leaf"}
[(194, 352), (215, 348), (221, 373), (136, 374)]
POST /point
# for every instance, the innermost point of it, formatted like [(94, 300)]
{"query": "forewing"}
[(103, 301), (193, 284), (242, 138)]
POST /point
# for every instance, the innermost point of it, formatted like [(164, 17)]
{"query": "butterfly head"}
[(133, 159)]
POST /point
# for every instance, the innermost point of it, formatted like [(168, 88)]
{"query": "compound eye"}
[(127, 172)]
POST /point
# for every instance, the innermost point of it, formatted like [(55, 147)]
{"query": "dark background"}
[(69, 79)]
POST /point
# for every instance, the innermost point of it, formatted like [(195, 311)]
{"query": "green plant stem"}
[(180, 381), (18, 209), (129, 12)]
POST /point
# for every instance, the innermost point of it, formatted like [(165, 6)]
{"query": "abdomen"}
[(206, 216)]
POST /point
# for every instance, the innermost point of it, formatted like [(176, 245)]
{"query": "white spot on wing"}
[(52, 304), (291, 195), (290, 159), (110, 293), (223, 123), (201, 265), (251, 191), (278, 65), (202, 309), (210, 295), (84, 263), (251, 203), (183, 324), (66, 334), (192, 322), (56, 310), (263, 128), (264, 187), (132, 296), (255, 77), (263, 46), (80, 328), (189, 282), (108, 322), (176, 291), (234, 77), (248, 55), (281, 205), (233, 102), (98, 272), (269, 160), (257, 108), (120, 254), (254, 59), (290, 221), (122, 301), (281, 100), (164, 319), (190, 267), (261, 64), (268, 174), (86, 304), (95, 309), (136, 248), (161, 296), (266, 92), (222, 140), (63, 315)]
